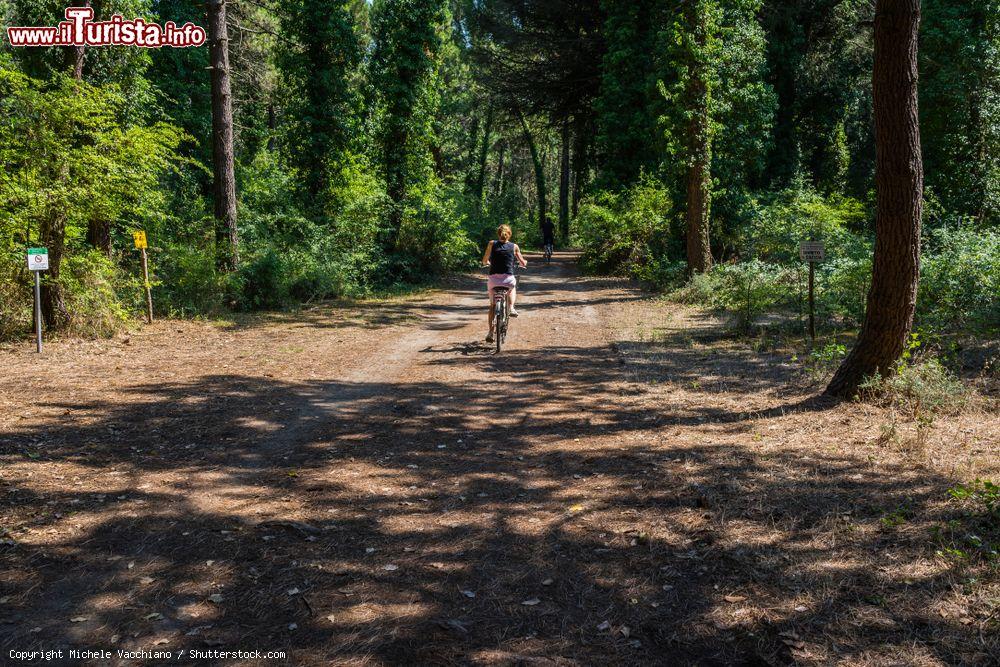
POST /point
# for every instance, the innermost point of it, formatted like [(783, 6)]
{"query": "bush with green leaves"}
[(15, 294), (744, 290), (747, 290), (799, 214), (185, 280), (71, 165), (923, 388), (960, 281), (843, 281), (628, 233), (92, 284)]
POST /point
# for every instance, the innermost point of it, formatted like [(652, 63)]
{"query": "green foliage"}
[(15, 294), (402, 68), (960, 281), (186, 282), (796, 215), (824, 360), (625, 122), (984, 493), (977, 533), (743, 290), (923, 389), (317, 61), (627, 234), (91, 282), (747, 290), (960, 104), (843, 282), (68, 162)]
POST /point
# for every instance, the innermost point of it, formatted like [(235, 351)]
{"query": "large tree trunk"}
[(699, 157), (75, 55), (899, 177), (98, 229), (484, 152), (580, 166), (564, 183), (395, 177), (501, 163), (539, 172), (99, 234), (226, 236), (52, 233)]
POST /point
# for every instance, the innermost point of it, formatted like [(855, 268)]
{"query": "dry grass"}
[(667, 494)]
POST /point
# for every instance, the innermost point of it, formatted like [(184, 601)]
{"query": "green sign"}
[(38, 259)]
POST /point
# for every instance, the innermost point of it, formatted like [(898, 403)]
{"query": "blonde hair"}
[(504, 232)]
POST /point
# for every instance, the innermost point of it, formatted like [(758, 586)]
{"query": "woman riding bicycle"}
[(501, 256)]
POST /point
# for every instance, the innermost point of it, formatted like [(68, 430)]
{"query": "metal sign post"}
[(140, 244), (38, 261), (812, 252)]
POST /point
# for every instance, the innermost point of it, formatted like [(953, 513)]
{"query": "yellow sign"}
[(140, 240)]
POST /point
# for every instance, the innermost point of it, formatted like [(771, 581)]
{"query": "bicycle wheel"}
[(500, 322)]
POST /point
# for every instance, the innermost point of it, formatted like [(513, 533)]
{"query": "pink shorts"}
[(502, 280)]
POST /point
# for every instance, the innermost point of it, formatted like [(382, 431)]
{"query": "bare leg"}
[(492, 313), (512, 298)]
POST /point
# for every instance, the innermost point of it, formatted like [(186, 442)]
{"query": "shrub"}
[(842, 287), (825, 360), (981, 492), (977, 532), (185, 281), (434, 235), (798, 214), (89, 279), (628, 234), (16, 302), (263, 283), (748, 289), (923, 389), (960, 281)]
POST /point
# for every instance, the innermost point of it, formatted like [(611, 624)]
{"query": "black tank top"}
[(502, 258)]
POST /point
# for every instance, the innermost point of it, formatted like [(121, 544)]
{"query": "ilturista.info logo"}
[(80, 29)]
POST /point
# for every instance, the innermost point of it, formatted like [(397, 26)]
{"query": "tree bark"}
[(564, 183), (76, 55), (52, 233), (539, 172), (899, 189), (98, 230), (395, 177), (501, 162), (99, 235), (484, 153), (699, 158), (580, 166), (226, 234)]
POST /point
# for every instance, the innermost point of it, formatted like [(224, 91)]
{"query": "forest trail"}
[(370, 485)]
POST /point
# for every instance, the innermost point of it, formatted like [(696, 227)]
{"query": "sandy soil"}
[(369, 485)]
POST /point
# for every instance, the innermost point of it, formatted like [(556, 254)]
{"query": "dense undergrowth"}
[(760, 279)]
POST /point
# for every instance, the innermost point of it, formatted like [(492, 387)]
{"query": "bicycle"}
[(549, 250), (501, 316)]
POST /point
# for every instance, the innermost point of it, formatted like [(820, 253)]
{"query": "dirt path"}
[(370, 485)]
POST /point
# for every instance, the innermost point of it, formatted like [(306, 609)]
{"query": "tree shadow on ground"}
[(423, 523)]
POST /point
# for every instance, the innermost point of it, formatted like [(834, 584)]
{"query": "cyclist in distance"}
[(548, 236), (501, 256)]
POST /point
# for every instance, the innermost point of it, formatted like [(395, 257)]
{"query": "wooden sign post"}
[(38, 261), (812, 252), (140, 244)]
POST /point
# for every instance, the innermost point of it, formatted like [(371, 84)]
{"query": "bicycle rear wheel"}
[(499, 322)]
